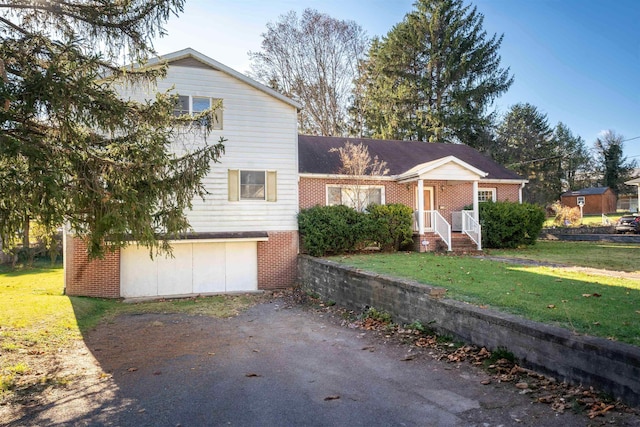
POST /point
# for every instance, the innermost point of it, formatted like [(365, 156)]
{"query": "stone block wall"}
[(609, 366)]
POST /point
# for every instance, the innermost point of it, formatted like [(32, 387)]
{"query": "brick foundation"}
[(277, 260), (97, 278)]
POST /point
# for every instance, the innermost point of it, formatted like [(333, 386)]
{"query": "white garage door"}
[(196, 268)]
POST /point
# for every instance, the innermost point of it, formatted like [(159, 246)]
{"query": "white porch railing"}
[(471, 228), (440, 225), (606, 220)]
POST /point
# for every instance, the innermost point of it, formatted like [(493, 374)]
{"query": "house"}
[(632, 202), (439, 181), (245, 233), (594, 200)]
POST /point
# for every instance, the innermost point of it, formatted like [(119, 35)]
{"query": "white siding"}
[(261, 133), (450, 172)]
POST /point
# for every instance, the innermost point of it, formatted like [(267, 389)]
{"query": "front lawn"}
[(602, 255), (592, 304)]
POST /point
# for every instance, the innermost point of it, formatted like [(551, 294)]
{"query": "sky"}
[(577, 61)]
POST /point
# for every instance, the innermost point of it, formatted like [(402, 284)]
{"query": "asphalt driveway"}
[(277, 365)]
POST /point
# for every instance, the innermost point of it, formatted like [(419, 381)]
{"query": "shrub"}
[(390, 226), (331, 229), (509, 225), (567, 216)]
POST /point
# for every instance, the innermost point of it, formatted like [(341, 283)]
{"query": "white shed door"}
[(196, 268)]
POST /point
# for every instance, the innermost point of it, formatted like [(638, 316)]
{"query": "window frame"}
[(217, 113), (342, 187), (487, 190), (270, 186)]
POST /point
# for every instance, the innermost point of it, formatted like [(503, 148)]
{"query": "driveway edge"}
[(608, 366)]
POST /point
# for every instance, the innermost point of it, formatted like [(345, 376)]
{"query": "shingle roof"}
[(586, 191), (314, 156)]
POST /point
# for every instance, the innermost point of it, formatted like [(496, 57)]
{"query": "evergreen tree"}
[(613, 166), (575, 166), (71, 149), (433, 77), (525, 145)]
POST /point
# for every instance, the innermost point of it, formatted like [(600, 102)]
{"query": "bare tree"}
[(314, 60), (357, 162)]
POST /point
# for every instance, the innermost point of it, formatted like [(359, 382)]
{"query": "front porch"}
[(464, 235), (442, 189)]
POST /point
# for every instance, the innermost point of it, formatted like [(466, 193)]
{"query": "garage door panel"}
[(138, 273), (242, 266), (209, 264), (175, 275)]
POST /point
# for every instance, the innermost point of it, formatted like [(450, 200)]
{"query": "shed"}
[(596, 200)]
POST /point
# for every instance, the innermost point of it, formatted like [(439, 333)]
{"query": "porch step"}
[(461, 243)]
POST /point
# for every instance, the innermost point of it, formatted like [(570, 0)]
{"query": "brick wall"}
[(506, 192), (97, 278), (313, 191), (277, 260)]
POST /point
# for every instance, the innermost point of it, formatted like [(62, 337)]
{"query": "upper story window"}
[(355, 196), (197, 104), (252, 185), (486, 195)]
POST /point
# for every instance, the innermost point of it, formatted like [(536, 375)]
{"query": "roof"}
[(314, 156), (591, 191), (191, 53)]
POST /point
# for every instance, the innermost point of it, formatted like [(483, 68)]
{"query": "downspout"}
[(520, 192)]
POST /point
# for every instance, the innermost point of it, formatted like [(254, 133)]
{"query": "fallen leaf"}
[(211, 354), (586, 295), (251, 375), (370, 348), (551, 306), (597, 295), (522, 385), (132, 369), (407, 358), (334, 397), (485, 382), (157, 373)]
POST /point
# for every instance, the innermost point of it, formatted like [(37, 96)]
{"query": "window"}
[(357, 197), (486, 195), (252, 185), (197, 104)]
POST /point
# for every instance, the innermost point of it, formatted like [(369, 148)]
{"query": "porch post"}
[(420, 207), (476, 209)]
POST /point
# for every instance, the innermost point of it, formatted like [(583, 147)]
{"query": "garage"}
[(197, 267)]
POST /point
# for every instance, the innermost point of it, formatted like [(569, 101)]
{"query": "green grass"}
[(591, 304), (601, 255)]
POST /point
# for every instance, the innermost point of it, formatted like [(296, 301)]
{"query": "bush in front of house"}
[(390, 226), (331, 229), (509, 225)]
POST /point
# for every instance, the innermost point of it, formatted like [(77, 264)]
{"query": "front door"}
[(428, 207)]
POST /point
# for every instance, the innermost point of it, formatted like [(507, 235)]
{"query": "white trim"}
[(221, 240), (188, 52), (418, 171), (504, 181), (492, 190), (348, 186)]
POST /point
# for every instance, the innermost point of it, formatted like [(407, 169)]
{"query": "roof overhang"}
[(191, 53), (635, 181), (444, 168)]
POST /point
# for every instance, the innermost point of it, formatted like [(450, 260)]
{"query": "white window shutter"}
[(234, 193), (272, 186)]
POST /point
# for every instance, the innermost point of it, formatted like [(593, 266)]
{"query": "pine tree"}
[(433, 77), (525, 145), (71, 149), (613, 165)]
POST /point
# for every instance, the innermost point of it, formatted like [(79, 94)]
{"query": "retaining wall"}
[(609, 366)]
